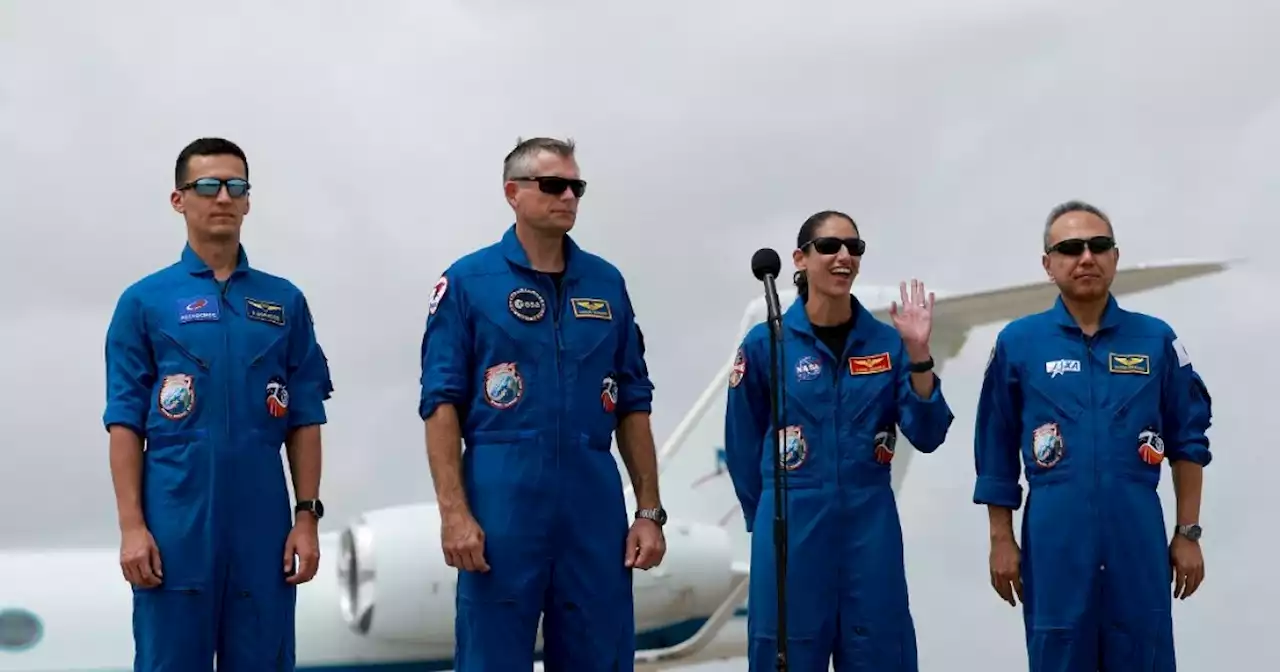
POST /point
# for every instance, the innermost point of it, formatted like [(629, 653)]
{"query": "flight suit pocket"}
[(176, 505), (885, 649)]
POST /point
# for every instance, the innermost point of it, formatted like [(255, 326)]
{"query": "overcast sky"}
[(375, 140)]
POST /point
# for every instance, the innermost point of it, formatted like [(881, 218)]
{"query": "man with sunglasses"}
[(531, 356), (1093, 399), (212, 364)]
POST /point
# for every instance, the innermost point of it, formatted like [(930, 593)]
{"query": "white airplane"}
[(384, 599)]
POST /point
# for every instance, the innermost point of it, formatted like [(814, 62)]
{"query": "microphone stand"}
[(778, 405)]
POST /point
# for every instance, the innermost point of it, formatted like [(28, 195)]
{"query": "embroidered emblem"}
[(591, 308), (1047, 445), (437, 293), (1184, 358), (503, 385), (739, 368), (808, 368), (177, 396), (1061, 366), (795, 450), (861, 366), (885, 442), (1150, 447), (277, 397), (527, 304), (264, 311), (1129, 364), (199, 309), (609, 393)]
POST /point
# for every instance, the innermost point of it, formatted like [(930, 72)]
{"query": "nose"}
[(224, 195)]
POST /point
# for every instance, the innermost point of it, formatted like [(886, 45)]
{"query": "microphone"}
[(765, 265)]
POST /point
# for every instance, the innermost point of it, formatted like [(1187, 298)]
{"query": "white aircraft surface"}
[(383, 600)]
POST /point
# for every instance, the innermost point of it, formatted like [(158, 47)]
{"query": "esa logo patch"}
[(277, 397), (503, 385), (526, 304), (437, 293), (177, 396), (795, 450), (1047, 445), (885, 442), (1150, 447), (808, 368), (739, 368), (609, 393)]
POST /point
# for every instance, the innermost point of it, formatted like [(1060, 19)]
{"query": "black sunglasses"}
[(210, 186), (556, 185), (1074, 247), (831, 245)]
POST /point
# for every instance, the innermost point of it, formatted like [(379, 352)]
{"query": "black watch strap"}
[(921, 367), (313, 506)]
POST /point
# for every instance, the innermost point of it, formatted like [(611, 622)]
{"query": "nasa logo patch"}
[(808, 368), (1150, 447), (609, 393), (795, 450), (739, 368), (503, 385), (527, 304), (177, 396), (277, 397), (1046, 445), (885, 442), (437, 293)]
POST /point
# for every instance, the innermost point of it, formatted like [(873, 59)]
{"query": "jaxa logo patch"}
[(526, 304), (177, 396), (795, 450), (1150, 447), (503, 385), (861, 366), (609, 393), (739, 368), (437, 293), (264, 311), (808, 368), (277, 397), (1061, 366), (885, 442), (199, 309), (597, 309), (1129, 364), (1046, 445)]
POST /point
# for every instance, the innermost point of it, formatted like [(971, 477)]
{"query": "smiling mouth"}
[(842, 272)]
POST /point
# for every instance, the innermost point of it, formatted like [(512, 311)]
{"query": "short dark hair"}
[(1075, 205), (206, 147), (517, 161), (801, 279)]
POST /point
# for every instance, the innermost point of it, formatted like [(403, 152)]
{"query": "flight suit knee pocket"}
[(1057, 650), (173, 630), (803, 654), (495, 619), (257, 631), (872, 649), (1144, 649)]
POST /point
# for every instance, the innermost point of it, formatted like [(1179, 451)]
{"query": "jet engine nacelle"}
[(396, 585)]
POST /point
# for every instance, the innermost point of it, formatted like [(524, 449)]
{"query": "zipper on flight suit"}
[(1093, 438)]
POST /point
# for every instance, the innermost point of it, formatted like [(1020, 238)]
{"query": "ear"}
[(247, 204), (509, 189), (175, 200), (797, 258), (1044, 261)]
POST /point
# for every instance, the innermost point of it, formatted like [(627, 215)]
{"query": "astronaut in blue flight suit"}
[(850, 382), (213, 364), (1093, 399), (531, 356)]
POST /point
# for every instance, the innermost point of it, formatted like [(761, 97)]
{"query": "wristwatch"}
[(1191, 531), (657, 515), (313, 506), (921, 367)]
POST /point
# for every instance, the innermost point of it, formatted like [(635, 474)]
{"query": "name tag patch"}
[(591, 309), (264, 311), (1140, 364), (862, 366), (198, 309)]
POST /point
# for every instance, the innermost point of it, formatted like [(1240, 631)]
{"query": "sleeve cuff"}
[(1195, 454), (997, 492), (124, 419), (934, 394)]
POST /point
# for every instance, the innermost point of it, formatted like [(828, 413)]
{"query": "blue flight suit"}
[(540, 379), (1092, 418), (213, 376), (846, 581)]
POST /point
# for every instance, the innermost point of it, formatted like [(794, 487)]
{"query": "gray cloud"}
[(707, 130)]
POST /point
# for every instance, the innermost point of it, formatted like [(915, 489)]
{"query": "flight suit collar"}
[(514, 252), (797, 321), (1111, 315), (196, 266)]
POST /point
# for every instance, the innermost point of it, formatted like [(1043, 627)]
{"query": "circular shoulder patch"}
[(527, 305), (438, 293), (503, 385), (739, 368), (177, 396)]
